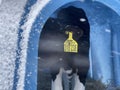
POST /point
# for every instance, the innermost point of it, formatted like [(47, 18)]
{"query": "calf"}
[(74, 65)]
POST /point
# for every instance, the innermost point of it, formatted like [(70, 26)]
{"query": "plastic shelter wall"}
[(104, 19)]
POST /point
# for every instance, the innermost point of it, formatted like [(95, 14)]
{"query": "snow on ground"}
[(10, 15), (35, 10)]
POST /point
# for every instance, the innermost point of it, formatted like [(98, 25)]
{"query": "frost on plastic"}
[(35, 9), (10, 15)]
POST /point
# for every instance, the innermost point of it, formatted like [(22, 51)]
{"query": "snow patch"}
[(108, 30), (82, 19), (35, 10), (10, 15)]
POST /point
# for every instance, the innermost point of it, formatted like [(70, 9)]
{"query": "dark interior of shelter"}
[(51, 55)]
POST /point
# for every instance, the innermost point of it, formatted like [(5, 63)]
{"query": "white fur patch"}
[(78, 84), (57, 84), (68, 71)]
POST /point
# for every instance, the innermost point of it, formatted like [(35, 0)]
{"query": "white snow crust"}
[(10, 15), (35, 10)]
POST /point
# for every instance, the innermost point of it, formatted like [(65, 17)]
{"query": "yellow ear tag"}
[(70, 45)]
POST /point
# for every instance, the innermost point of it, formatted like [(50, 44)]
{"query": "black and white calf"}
[(68, 70)]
